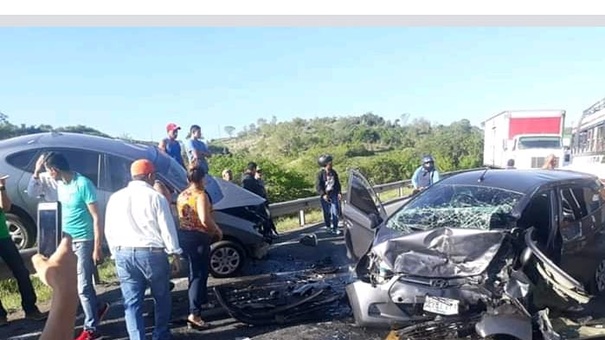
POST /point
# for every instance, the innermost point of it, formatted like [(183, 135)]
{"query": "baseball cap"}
[(141, 167), (172, 127)]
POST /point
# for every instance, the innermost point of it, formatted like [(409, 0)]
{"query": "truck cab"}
[(530, 151)]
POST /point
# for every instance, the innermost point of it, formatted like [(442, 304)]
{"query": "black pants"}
[(10, 255), (196, 248)]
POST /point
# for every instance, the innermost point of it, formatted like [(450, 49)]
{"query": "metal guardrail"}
[(277, 209), (301, 205)]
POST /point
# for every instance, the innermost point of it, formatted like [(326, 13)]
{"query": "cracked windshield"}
[(457, 206)]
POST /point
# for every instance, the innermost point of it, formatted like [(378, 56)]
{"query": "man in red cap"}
[(141, 234), (170, 145)]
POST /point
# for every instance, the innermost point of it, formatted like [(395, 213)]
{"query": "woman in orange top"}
[(197, 230)]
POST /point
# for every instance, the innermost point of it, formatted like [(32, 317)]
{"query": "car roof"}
[(522, 181), (82, 141)]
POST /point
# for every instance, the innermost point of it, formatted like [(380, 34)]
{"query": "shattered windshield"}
[(457, 206)]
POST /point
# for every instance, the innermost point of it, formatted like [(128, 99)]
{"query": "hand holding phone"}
[(49, 227)]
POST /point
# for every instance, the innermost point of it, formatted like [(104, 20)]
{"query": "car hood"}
[(226, 195), (441, 252)]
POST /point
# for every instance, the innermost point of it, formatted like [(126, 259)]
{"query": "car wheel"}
[(226, 259), (20, 231), (599, 278)]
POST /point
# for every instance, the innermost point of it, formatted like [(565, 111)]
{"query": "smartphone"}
[(49, 227)]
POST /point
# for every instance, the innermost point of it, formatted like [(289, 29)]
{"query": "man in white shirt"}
[(41, 185), (141, 234)]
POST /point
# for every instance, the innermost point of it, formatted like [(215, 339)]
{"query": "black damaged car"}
[(494, 250)]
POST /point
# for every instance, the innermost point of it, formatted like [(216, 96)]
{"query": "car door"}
[(581, 229), (363, 213), (545, 241)]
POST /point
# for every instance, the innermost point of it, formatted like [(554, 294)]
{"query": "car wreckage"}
[(488, 252)]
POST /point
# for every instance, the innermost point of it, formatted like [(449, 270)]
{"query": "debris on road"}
[(282, 300), (309, 240)]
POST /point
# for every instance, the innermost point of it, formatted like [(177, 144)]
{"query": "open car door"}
[(562, 283), (363, 213)]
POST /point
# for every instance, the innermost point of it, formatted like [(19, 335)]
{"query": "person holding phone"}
[(41, 185), (142, 236), (81, 220), (10, 255)]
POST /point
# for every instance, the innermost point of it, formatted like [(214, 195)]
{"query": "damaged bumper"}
[(402, 300)]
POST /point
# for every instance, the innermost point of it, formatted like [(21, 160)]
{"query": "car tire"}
[(226, 258), (22, 231), (598, 284)]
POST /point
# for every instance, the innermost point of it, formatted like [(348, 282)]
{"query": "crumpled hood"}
[(441, 252)]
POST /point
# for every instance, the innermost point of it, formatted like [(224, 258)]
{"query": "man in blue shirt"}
[(170, 145), (196, 149), (81, 221), (425, 175)]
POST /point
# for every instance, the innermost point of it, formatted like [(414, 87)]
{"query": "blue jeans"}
[(86, 287), (331, 211), (196, 247), (137, 269)]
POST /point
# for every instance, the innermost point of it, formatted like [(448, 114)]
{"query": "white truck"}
[(526, 136)]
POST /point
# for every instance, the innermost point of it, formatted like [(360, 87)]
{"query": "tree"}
[(229, 130)]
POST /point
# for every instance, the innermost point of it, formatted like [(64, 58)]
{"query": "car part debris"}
[(545, 325), (297, 298), (309, 240)]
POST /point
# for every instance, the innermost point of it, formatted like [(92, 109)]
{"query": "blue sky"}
[(136, 80)]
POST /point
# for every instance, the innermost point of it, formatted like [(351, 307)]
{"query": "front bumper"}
[(399, 301)]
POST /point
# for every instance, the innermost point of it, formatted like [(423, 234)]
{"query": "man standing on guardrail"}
[(171, 145), (328, 187), (425, 175), (11, 256)]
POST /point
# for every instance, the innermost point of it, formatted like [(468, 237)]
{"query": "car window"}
[(23, 160), (579, 202), (118, 173), (457, 206), (571, 207), (361, 198), (84, 162)]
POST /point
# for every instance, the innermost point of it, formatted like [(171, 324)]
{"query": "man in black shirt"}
[(250, 183), (328, 187)]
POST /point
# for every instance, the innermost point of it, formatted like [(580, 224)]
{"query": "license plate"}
[(440, 305)]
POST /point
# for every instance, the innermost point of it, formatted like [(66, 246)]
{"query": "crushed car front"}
[(448, 252)]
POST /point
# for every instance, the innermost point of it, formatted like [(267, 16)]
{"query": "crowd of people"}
[(145, 241)]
